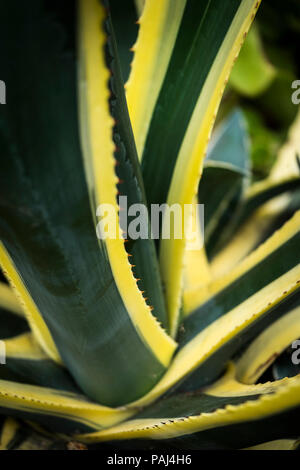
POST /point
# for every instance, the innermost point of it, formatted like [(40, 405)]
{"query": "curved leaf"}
[(63, 412), (32, 314), (178, 136), (226, 415), (47, 225)]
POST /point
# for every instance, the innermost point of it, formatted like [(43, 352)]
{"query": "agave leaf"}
[(57, 411), (144, 268), (180, 128), (225, 415), (32, 313), (189, 77), (50, 235), (124, 19), (103, 184), (202, 360), (209, 340)]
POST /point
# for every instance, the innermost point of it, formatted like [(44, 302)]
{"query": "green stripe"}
[(44, 373), (190, 404), (124, 18)]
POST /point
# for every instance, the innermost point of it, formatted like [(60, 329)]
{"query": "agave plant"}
[(131, 342)]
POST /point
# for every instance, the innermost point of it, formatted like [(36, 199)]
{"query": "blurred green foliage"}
[(261, 80)]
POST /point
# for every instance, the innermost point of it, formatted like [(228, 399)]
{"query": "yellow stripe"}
[(33, 316), (8, 433), (192, 151), (24, 347), (159, 25), (267, 184), (197, 270), (192, 300), (101, 163), (8, 300)]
